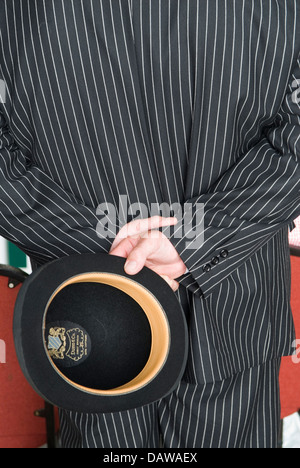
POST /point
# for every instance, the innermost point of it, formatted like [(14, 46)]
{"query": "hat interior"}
[(105, 333)]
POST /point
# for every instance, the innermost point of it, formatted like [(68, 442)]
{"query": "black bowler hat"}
[(91, 338)]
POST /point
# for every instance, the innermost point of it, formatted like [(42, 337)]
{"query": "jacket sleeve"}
[(249, 204), (36, 213)]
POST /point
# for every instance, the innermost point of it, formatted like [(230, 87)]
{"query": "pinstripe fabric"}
[(189, 101), (240, 412)]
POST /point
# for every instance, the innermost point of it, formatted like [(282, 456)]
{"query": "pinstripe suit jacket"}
[(176, 101)]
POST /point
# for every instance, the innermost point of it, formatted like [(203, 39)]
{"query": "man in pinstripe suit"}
[(165, 101)]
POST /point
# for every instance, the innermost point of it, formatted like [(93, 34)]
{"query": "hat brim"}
[(29, 324)]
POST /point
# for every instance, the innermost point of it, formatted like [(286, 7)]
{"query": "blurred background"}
[(12, 255), (295, 235)]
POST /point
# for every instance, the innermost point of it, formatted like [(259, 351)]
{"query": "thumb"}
[(138, 256)]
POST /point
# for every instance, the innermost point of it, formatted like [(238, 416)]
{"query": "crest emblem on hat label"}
[(69, 344)]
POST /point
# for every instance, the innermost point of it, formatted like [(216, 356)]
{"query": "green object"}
[(16, 257)]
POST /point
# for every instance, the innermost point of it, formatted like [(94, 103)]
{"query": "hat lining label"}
[(68, 343)]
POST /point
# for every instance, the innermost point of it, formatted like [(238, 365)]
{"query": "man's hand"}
[(142, 245)]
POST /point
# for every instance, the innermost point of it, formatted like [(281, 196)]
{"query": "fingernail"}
[(130, 266)]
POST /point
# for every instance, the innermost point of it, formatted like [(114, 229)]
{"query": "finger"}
[(138, 256), (124, 248), (141, 226), (172, 283)]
